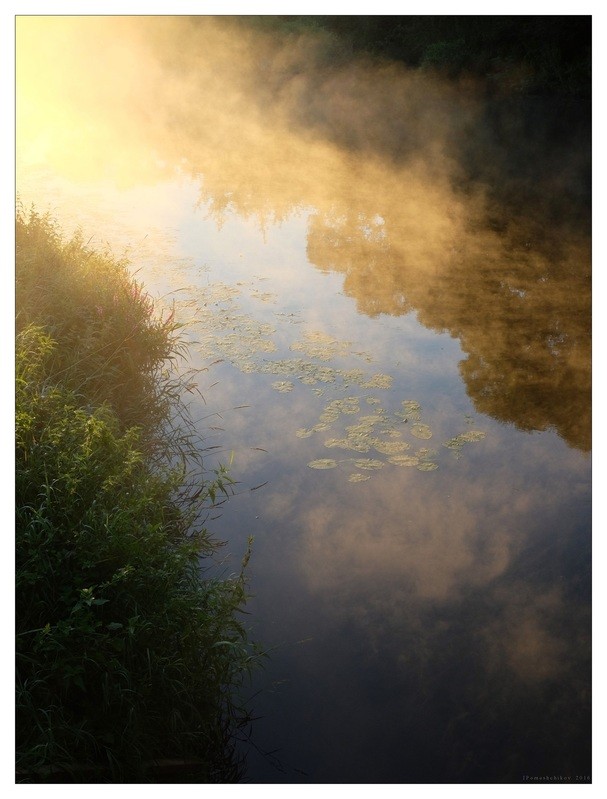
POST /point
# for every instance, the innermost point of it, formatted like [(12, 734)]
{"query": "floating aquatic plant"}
[(391, 447), (411, 411), (357, 477), (347, 405), (246, 343), (457, 443), (368, 463), (378, 381), (404, 460), (421, 431), (264, 296), (352, 375), (319, 345), (323, 463), (283, 386)]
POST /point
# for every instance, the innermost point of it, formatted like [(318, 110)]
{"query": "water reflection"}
[(445, 613), (448, 614), (418, 224), (522, 315)]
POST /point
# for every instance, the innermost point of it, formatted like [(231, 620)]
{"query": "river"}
[(386, 282)]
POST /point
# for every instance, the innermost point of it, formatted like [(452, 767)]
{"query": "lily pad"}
[(337, 442), (283, 386), (319, 426), (469, 437), (357, 477), (427, 466), (323, 463), (368, 463), (472, 435), (325, 374), (329, 415), (352, 375), (348, 405), (320, 345), (421, 431), (391, 447), (404, 460), (378, 381), (351, 442)]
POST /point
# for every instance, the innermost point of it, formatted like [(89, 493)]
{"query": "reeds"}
[(126, 656)]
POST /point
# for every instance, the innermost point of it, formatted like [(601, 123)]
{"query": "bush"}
[(126, 656)]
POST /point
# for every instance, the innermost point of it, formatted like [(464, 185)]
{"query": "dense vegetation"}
[(530, 54), (128, 657)]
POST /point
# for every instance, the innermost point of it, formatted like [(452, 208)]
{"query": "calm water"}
[(386, 281)]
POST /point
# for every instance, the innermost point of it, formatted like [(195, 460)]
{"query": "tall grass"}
[(126, 656)]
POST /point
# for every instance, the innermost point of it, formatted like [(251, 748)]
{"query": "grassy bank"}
[(127, 658)]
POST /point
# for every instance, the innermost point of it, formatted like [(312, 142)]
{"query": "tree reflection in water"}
[(456, 611)]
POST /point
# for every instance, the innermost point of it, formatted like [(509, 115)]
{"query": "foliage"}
[(112, 346), (126, 654), (527, 54)]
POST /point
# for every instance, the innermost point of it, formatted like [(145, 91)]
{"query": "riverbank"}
[(127, 657)]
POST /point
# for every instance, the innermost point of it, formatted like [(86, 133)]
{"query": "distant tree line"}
[(548, 53)]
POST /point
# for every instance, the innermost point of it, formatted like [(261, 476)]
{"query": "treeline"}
[(128, 660), (530, 54)]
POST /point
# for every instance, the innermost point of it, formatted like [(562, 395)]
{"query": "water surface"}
[(386, 280)]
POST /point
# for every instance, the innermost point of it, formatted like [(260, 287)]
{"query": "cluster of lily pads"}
[(380, 434), (376, 436)]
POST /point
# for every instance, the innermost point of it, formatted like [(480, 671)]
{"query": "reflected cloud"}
[(522, 637), (454, 533), (431, 542), (447, 574)]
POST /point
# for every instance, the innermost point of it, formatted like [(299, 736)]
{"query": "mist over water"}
[(429, 624)]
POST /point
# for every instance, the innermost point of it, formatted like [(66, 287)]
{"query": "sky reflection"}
[(425, 626)]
